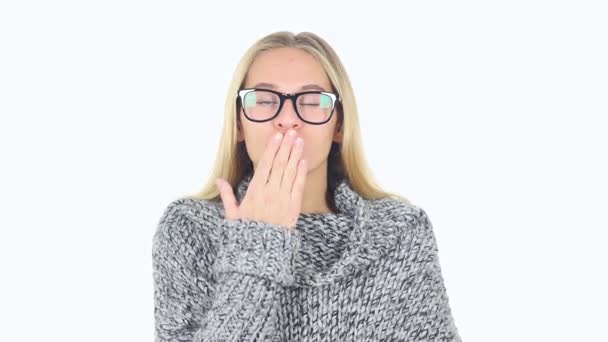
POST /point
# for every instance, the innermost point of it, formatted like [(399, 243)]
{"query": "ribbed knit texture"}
[(370, 272)]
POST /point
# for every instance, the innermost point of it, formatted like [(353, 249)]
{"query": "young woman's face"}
[(288, 70)]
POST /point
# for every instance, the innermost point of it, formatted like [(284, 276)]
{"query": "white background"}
[(489, 115)]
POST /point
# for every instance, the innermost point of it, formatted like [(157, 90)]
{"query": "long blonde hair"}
[(346, 159)]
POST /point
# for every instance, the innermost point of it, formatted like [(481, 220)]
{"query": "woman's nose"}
[(287, 116)]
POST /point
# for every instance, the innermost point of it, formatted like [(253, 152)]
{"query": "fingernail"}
[(278, 136)]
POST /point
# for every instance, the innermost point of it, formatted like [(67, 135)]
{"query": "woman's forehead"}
[(287, 88), (287, 70)]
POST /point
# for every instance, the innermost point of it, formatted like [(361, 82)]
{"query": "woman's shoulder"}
[(407, 219), (186, 216), (396, 209), (193, 208)]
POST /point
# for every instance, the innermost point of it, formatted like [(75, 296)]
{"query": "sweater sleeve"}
[(426, 314), (254, 260), (182, 288), (218, 291)]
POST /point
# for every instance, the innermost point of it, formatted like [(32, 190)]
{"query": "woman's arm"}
[(424, 312), (231, 295), (181, 290), (254, 260)]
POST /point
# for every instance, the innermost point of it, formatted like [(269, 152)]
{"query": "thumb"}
[(228, 199)]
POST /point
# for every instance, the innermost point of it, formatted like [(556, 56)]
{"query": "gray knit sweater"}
[(367, 273)]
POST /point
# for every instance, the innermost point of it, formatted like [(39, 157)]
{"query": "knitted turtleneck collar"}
[(339, 245)]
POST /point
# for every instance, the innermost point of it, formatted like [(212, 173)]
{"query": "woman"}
[(291, 240)]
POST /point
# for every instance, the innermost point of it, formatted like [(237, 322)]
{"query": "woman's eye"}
[(309, 104)]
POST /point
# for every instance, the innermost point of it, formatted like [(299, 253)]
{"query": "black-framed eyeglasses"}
[(312, 107)]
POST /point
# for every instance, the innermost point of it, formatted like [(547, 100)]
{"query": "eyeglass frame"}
[(283, 97)]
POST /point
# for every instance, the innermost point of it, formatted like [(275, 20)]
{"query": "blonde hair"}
[(346, 159)]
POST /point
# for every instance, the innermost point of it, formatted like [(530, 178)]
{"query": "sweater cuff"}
[(257, 248)]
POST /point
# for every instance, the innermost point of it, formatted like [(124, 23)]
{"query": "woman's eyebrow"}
[(305, 87)]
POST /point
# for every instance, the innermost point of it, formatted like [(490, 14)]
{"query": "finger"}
[(262, 172), (228, 199), (280, 160), (292, 166), (297, 192)]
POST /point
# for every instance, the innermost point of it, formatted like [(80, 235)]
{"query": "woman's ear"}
[(239, 134), (338, 133)]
